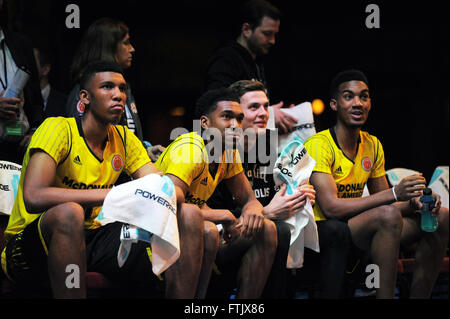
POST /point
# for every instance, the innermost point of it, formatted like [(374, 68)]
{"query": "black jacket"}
[(55, 104), (230, 64)]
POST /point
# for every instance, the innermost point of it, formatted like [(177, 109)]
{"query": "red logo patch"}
[(117, 162), (366, 164)]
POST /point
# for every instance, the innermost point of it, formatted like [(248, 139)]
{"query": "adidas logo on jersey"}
[(338, 171), (77, 160), (204, 181)]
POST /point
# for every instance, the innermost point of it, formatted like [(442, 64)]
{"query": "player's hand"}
[(155, 151), (416, 204), (410, 187), (284, 206), (309, 191), (250, 223), (283, 121), (231, 231)]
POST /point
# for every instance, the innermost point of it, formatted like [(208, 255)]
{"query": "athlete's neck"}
[(94, 132), (347, 138)]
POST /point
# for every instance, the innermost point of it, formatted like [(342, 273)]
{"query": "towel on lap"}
[(149, 205)]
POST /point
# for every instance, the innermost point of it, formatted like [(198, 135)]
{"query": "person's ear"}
[(204, 122), (246, 30), (333, 104), (85, 96)]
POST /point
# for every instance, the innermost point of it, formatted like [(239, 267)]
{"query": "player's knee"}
[(211, 235), (191, 217), (67, 218), (390, 217), (270, 234)]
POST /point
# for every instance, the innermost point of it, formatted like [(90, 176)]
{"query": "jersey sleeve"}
[(53, 137), (136, 154), (378, 166), (320, 149), (183, 158)]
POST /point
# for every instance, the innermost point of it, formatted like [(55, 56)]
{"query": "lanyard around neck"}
[(4, 84)]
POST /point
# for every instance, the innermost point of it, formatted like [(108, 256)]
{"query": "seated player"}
[(69, 168), (197, 164), (278, 206), (346, 159)]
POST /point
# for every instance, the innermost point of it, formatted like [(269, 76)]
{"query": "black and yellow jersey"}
[(187, 158), (77, 166), (350, 175)]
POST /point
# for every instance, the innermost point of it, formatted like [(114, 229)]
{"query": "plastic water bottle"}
[(429, 222)]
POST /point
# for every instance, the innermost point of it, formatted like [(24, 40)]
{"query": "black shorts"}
[(26, 258)]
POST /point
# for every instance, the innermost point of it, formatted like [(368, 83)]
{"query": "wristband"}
[(395, 196)]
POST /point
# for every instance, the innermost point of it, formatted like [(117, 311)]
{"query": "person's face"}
[(262, 38), (105, 96), (255, 106), (352, 103), (227, 119), (125, 51)]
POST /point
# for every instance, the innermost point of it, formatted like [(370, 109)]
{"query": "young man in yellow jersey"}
[(196, 164), (334, 236), (346, 159), (69, 168)]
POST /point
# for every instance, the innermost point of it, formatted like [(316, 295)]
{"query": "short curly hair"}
[(207, 103), (346, 76), (96, 67)]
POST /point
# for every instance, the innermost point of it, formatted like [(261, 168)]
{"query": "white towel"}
[(304, 127), (148, 203), (9, 184), (395, 175), (294, 167), (439, 184)]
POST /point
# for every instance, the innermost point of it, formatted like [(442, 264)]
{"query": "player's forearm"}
[(218, 216), (38, 200), (343, 208), (253, 206)]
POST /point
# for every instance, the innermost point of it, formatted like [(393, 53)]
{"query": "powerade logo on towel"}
[(167, 188), (9, 183), (287, 170)]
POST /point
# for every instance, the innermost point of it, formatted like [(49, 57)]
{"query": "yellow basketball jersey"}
[(350, 175), (187, 158), (77, 166)]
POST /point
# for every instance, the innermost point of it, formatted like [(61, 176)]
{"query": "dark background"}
[(406, 61)]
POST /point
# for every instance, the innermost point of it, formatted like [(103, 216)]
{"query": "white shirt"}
[(11, 66), (45, 92)]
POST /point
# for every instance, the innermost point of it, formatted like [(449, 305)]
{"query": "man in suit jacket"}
[(16, 51)]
